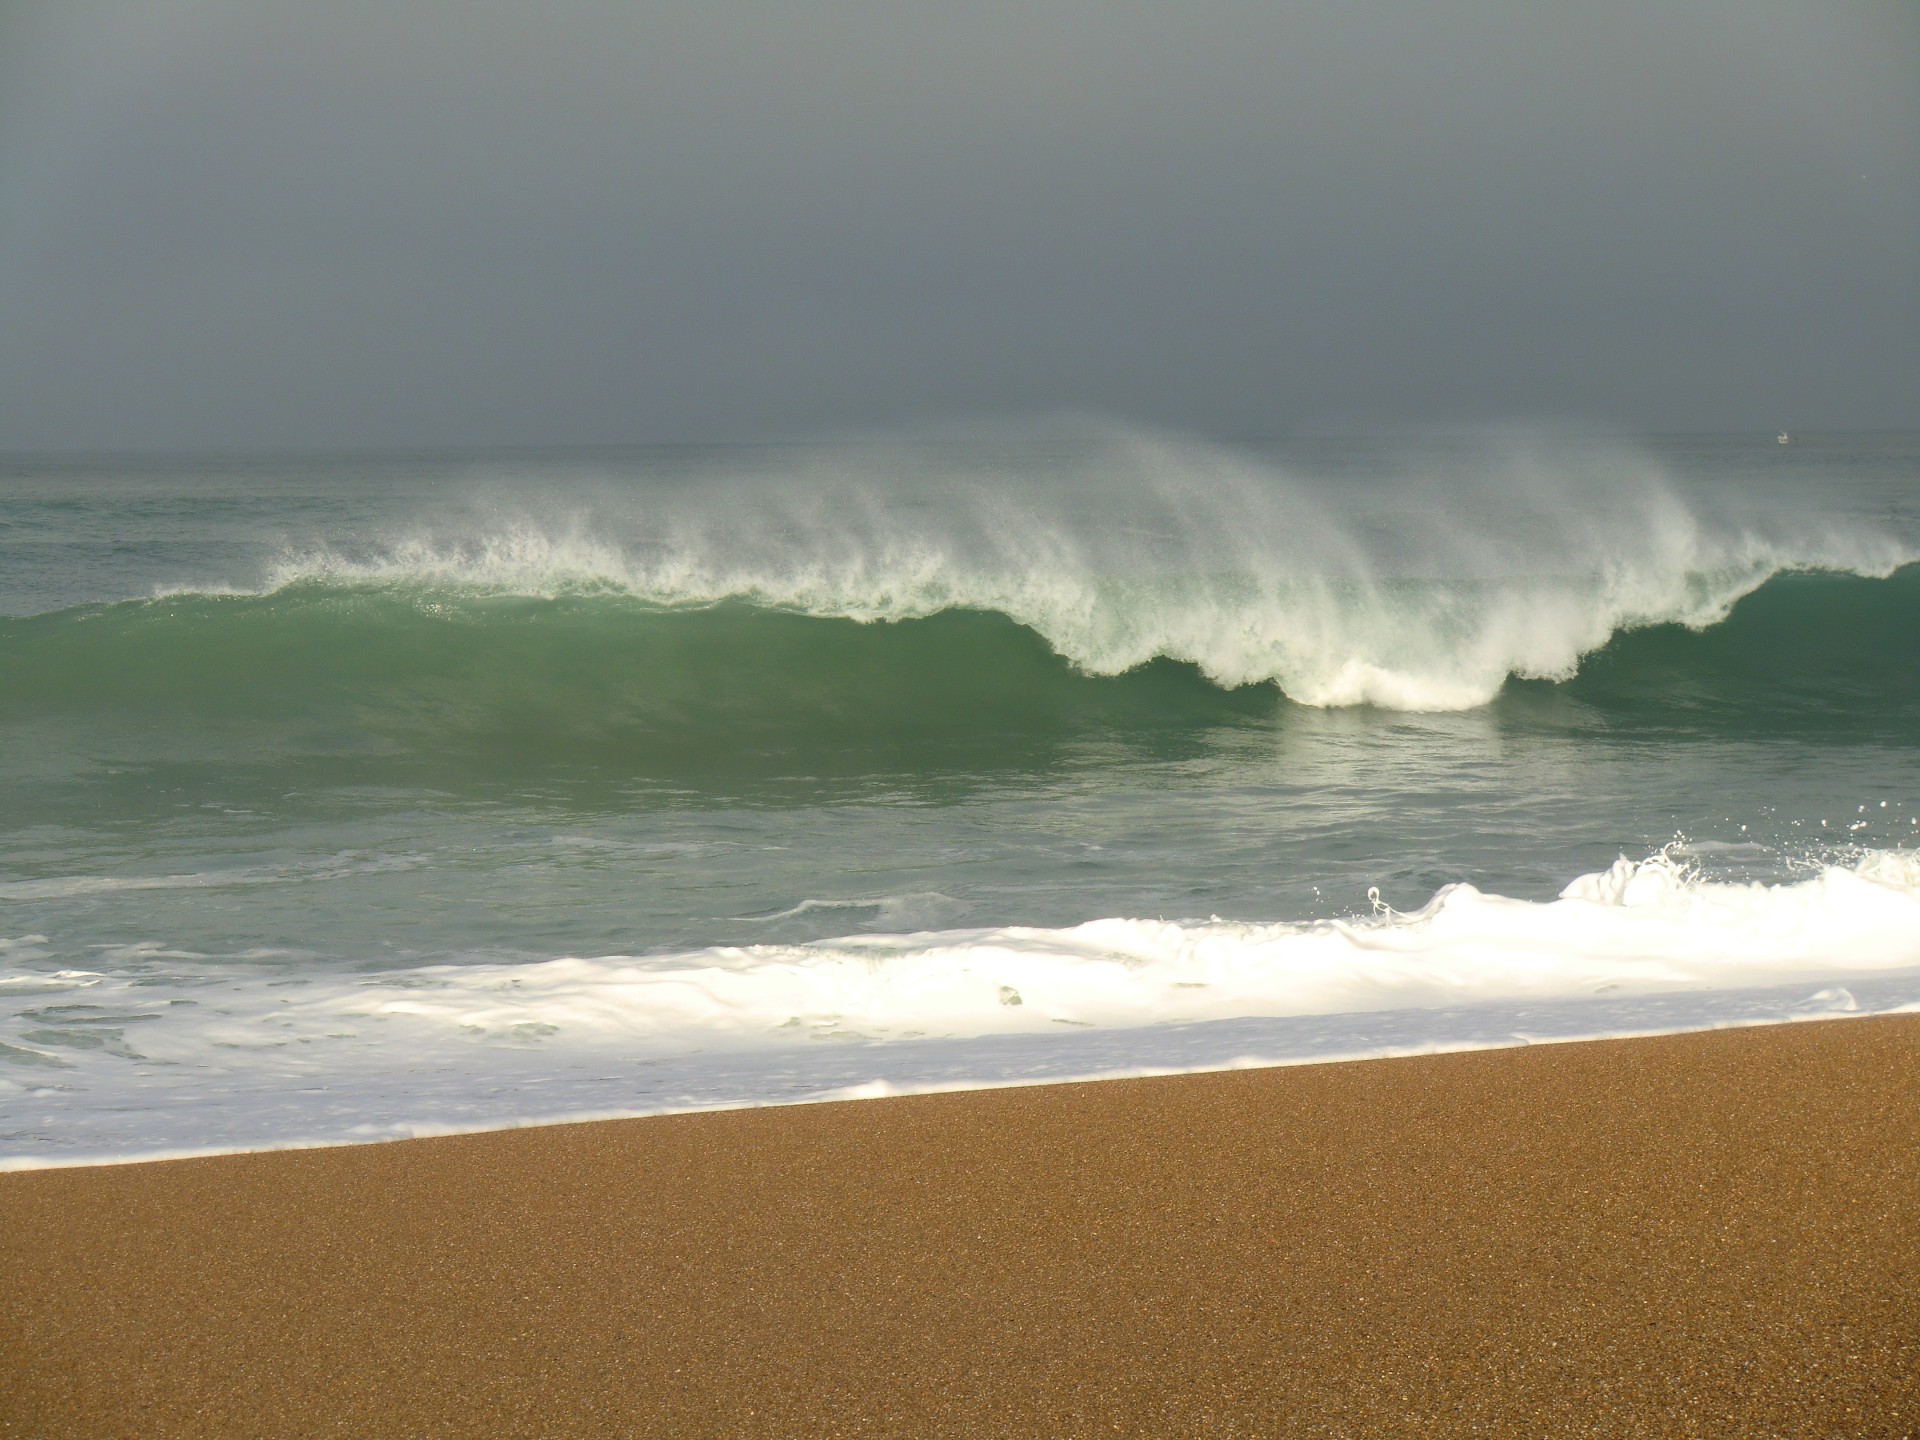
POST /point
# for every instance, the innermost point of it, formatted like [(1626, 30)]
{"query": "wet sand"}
[(1711, 1235)]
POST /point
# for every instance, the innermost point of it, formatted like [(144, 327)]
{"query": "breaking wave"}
[(422, 663), (1403, 642), (879, 596), (733, 1025)]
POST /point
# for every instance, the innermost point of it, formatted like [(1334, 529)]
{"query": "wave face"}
[(1334, 626), (1804, 648), (382, 669), (605, 681)]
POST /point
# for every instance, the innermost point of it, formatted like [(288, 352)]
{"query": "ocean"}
[(351, 798)]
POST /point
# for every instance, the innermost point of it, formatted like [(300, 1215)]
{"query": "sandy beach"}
[(826, 719), (1709, 1234)]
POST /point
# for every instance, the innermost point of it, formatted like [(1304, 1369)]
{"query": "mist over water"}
[(1421, 583), (302, 754)]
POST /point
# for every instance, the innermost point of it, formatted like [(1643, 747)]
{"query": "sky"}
[(228, 224)]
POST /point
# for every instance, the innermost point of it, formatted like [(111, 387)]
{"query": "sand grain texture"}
[(1704, 1235)]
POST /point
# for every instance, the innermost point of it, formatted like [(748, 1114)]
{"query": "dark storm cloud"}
[(227, 224)]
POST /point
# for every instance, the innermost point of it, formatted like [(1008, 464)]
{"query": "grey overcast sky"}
[(241, 223)]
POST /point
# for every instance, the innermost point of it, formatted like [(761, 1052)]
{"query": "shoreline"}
[(1710, 1232), (742, 1080)]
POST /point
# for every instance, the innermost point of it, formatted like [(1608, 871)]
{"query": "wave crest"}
[(1415, 644), (1423, 587)]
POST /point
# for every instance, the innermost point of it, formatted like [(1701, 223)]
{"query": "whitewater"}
[(1243, 571), (377, 796)]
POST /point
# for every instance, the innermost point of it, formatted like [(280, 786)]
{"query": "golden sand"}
[(1699, 1235)]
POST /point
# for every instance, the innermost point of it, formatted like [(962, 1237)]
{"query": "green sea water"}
[(285, 722)]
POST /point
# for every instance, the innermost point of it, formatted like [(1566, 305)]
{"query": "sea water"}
[(344, 798)]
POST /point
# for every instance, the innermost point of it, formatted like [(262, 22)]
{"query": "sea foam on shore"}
[(251, 1063)]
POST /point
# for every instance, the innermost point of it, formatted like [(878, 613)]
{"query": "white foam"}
[(1637, 927), (338, 866), (197, 1043)]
